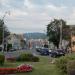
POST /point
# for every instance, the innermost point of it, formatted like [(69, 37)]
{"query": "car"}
[(38, 49), (11, 50), (44, 51), (0, 48), (57, 53)]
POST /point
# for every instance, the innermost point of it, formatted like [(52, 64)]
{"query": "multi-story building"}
[(16, 40)]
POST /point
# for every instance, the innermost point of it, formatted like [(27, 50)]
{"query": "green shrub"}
[(9, 46), (11, 59), (61, 63), (35, 59), (71, 67), (2, 59), (27, 57)]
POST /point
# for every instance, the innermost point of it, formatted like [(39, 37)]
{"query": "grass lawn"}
[(44, 67)]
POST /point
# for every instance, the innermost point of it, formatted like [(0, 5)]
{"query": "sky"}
[(34, 15)]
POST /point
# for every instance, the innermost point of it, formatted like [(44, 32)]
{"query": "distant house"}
[(16, 40), (73, 38), (33, 43)]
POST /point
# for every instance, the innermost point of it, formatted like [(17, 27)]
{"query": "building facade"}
[(16, 40)]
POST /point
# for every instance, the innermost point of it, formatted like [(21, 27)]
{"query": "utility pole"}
[(71, 37), (60, 44)]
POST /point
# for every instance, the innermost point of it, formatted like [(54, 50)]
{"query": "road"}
[(18, 52)]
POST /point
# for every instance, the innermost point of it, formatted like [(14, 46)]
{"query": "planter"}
[(8, 70)]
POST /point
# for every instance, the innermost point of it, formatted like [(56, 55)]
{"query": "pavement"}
[(18, 52)]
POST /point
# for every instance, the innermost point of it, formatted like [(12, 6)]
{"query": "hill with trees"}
[(35, 35)]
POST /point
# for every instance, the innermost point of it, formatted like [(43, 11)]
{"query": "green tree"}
[(6, 31), (53, 31)]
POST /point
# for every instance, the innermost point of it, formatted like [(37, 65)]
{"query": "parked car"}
[(0, 48), (44, 51), (57, 53), (11, 50), (38, 49)]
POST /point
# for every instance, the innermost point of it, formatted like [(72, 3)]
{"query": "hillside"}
[(35, 35)]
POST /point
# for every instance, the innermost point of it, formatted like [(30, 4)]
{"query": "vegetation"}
[(53, 31), (43, 67), (62, 62), (35, 35), (2, 59), (9, 46), (6, 31), (27, 57), (71, 67)]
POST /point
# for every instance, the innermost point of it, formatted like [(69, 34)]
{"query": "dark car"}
[(57, 53), (0, 48), (38, 49), (44, 51), (11, 50)]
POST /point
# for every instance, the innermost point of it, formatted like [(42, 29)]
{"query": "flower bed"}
[(11, 59), (24, 68), (21, 68), (8, 70)]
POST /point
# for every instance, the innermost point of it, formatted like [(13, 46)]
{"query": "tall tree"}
[(53, 31), (6, 31)]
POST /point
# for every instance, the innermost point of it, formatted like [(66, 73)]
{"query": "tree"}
[(53, 31), (6, 31)]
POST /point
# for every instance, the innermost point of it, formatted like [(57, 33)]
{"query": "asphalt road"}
[(18, 52)]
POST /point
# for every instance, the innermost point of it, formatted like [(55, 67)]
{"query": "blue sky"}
[(34, 15)]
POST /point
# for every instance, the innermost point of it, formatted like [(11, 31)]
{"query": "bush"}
[(35, 59), (71, 67), (62, 62), (2, 59), (11, 59), (27, 57)]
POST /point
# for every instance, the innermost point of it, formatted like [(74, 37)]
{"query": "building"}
[(73, 38), (33, 43), (16, 40)]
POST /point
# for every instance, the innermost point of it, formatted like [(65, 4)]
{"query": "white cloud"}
[(71, 17), (16, 13), (56, 9), (4, 2), (28, 4), (34, 17)]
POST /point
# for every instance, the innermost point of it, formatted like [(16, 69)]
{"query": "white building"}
[(16, 40)]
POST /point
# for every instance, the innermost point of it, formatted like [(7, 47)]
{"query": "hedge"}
[(28, 57), (2, 59)]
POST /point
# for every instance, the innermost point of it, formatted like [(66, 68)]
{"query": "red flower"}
[(8, 70), (24, 68)]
